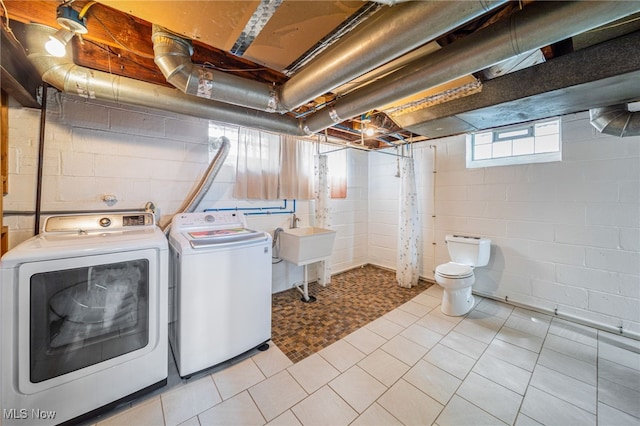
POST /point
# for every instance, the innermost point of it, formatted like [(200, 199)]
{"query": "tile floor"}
[(414, 366)]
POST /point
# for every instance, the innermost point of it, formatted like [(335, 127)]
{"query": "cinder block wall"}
[(565, 235)]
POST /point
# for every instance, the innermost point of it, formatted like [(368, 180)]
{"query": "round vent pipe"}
[(616, 120)]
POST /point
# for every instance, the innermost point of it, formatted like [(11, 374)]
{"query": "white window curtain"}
[(323, 217), (295, 169), (408, 266), (258, 165)]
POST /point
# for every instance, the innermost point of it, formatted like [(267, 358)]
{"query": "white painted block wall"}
[(139, 155), (565, 235)]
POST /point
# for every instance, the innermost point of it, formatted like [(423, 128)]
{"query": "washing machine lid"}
[(454, 270), (217, 237)]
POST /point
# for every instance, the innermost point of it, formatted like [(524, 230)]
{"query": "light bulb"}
[(57, 44)]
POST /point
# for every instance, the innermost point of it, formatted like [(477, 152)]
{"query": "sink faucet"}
[(294, 221)]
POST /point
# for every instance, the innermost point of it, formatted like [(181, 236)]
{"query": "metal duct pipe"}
[(537, 25), (616, 120), (172, 55), (64, 75), (387, 35)]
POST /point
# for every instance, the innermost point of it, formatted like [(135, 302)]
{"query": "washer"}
[(220, 289), (84, 310)]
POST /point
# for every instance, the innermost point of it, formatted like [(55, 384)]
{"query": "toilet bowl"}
[(457, 277)]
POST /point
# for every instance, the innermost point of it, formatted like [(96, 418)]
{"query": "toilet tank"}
[(468, 250)]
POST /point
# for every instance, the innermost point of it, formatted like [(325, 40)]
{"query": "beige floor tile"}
[(572, 331), (523, 420), (358, 388), (285, 419), (529, 315), (464, 344), (520, 357), (421, 335), (404, 349), (453, 362), (572, 348), (520, 338), (148, 413), (435, 291), (572, 367), (410, 405), (437, 323), (365, 340), (323, 408), (609, 416), (436, 383), (193, 421), (503, 373), (237, 378), (184, 402), (495, 308), (342, 355), (491, 397), (574, 391), (460, 412), (239, 410), (401, 317), (620, 350), (384, 367), (384, 327), (415, 308), (427, 300), (271, 361), (376, 415), (528, 325), (277, 394), (547, 409), (313, 372), (619, 397), (618, 373)]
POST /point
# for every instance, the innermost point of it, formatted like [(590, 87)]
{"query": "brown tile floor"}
[(353, 299)]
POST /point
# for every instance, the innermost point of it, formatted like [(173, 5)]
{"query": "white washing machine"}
[(220, 289), (84, 317)]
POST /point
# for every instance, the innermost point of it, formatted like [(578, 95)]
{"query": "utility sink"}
[(306, 245)]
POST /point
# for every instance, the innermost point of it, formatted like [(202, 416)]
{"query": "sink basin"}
[(306, 245)]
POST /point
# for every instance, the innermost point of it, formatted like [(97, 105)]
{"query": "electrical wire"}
[(6, 24), (210, 65)]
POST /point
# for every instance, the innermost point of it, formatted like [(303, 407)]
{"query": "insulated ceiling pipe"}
[(538, 24), (385, 36), (64, 75), (616, 120), (172, 55)]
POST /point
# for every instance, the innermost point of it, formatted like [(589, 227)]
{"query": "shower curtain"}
[(408, 266), (323, 219)]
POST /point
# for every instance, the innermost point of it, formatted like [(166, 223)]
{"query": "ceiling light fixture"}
[(57, 44), (72, 23)]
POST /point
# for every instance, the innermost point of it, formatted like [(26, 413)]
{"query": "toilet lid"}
[(454, 270)]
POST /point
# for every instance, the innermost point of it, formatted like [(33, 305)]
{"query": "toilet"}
[(457, 277)]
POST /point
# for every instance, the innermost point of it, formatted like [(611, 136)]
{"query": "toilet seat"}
[(454, 270)]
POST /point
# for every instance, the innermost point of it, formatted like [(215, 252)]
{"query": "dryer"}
[(83, 317), (220, 289)]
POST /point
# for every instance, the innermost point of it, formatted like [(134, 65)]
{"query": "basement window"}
[(537, 142)]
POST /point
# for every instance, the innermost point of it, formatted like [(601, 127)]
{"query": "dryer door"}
[(84, 317)]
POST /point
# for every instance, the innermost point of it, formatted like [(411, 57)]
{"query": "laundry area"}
[(336, 213)]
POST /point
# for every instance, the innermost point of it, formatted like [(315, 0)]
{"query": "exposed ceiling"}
[(412, 71)]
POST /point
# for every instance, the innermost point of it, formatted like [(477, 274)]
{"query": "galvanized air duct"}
[(537, 25), (172, 55), (387, 35), (64, 75), (384, 37), (616, 120)]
